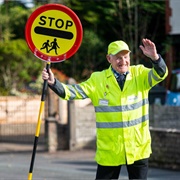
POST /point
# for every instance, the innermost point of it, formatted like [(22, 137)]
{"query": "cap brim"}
[(116, 52)]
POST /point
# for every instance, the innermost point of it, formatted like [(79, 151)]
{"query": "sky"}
[(28, 3)]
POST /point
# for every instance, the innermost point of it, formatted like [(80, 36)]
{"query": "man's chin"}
[(122, 70)]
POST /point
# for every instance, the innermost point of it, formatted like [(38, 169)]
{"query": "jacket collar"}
[(109, 73), (112, 71)]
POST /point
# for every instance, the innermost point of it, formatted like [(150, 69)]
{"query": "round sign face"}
[(53, 32)]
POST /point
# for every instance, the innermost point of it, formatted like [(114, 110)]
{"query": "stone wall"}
[(85, 127), (165, 147), (165, 133), (164, 116), (18, 119)]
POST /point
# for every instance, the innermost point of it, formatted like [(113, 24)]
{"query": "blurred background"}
[(103, 21), (71, 125)]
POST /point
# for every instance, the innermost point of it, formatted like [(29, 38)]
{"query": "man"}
[(120, 97)]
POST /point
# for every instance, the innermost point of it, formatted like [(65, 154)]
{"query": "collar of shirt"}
[(116, 74)]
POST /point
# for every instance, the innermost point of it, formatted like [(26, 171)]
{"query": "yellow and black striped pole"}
[(38, 127)]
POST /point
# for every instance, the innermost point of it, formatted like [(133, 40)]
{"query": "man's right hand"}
[(49, 76)]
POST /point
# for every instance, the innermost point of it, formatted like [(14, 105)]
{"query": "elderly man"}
[(120, 98)]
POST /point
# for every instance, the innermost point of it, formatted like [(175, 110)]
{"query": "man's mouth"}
[(122, 65)]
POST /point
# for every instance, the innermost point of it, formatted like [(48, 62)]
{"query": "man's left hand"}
[(149, 49)]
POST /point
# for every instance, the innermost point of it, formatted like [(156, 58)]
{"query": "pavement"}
[(61, 165)]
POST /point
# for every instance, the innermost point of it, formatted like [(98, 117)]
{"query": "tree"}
[(18, 21), (18, 65), (102, 21), (128, 20), (90, 57)]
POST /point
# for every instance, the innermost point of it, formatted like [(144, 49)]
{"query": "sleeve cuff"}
[(53, 84), (157, 61)]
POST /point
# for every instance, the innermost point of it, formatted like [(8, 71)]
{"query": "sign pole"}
[(38, 126)]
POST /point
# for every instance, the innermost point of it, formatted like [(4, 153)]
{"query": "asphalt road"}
[(62, 165)]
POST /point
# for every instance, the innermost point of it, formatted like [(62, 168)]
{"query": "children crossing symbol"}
[(53, 45)]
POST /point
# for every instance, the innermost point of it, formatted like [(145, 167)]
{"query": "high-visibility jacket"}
[(122, 116)]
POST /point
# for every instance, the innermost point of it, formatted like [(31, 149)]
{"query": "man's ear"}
[(108, 57)]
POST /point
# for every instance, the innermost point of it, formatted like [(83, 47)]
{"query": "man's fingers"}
[(142, 48), (45, 75)]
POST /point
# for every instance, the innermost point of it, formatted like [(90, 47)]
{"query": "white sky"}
[(174, 18), (28, 3)]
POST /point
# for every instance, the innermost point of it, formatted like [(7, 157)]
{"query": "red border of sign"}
[(78, 40)]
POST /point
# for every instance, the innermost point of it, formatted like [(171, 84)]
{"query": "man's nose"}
[(121, 59)]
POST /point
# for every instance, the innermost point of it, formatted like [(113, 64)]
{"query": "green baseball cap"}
[(117, 46)]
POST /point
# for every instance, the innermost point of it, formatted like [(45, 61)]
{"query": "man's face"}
[(120, 62)]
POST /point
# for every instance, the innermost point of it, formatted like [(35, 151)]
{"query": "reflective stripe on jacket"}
[(122, 117)]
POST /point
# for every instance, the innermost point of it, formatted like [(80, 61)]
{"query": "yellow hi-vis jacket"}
[(122, 117)]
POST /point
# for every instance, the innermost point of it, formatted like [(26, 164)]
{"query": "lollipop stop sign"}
[(53, 33)]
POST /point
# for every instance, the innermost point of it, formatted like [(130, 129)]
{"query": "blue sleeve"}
[(159, 66), (58, 88)]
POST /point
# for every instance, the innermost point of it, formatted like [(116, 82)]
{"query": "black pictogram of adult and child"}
[(49, 46)]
